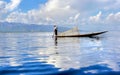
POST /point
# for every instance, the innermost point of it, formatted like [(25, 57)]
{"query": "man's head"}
[(55, 26)]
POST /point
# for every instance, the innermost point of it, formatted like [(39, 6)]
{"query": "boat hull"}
[(85, 35)]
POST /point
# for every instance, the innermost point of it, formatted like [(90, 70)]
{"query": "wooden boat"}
[(84, 35)]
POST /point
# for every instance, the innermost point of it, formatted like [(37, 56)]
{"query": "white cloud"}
[(66, 12), (54, 11), (6, 8), (110, 19), (2, 4), (17, 17), (113, 18), (96, 18), (2, 10), (12, 5)]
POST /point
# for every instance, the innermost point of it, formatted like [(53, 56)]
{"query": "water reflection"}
[(55, 41), (16, 49), (72, 53), (64, 53)]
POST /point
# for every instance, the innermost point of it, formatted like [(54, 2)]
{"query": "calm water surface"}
[(39, 54)]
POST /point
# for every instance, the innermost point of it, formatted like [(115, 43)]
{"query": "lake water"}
[(39, 54)]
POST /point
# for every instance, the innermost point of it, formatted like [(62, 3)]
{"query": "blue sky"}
[(65, 12), (26, 5)]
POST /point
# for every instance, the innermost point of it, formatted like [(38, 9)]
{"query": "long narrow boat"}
[(85, 35)]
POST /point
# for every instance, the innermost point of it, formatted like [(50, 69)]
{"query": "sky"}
[(61, 12)]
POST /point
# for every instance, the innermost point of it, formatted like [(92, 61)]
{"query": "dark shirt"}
[(55, 30)]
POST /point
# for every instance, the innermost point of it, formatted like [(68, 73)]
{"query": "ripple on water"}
[(38, 54)]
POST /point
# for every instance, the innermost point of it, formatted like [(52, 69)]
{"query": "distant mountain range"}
[(19, 27)]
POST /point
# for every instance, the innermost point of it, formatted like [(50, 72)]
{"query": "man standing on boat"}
[(55, 34), (55, 30)]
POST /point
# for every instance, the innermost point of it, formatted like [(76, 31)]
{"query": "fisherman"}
[(55, 34), (55, 30)]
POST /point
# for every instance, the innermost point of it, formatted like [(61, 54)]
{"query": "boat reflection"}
[(72, 52)]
